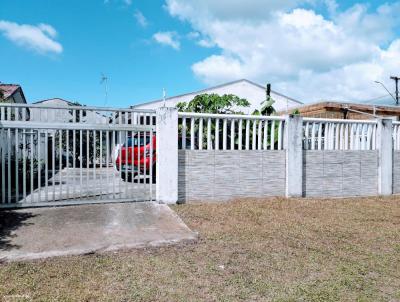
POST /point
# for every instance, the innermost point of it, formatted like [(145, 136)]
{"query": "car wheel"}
[(127, 177), (154, 174)]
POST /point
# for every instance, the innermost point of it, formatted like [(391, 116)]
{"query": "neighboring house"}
[(343, 110), (64, 115), (246, 89), (12, 93)]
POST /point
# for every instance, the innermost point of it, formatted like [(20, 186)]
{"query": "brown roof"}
[(332, 105), (9, 89)]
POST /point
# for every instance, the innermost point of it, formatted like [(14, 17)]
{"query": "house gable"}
[(251, 91)]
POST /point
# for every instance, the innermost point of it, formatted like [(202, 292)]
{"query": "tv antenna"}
[(104, 80)]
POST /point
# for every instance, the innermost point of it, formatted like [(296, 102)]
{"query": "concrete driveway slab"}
[(73, 230)]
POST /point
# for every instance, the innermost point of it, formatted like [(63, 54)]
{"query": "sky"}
[(310, 50)]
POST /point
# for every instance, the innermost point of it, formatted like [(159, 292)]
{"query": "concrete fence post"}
[(294, 155), (167, 155), (384, 144)]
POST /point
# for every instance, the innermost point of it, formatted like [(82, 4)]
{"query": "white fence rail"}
[(199, 131), (396, 136), (337, 134), (75, 114)]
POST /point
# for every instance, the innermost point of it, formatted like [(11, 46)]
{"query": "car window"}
[(137, 141)]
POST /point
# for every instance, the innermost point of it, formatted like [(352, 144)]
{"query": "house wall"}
[(253, 93), (62, 115), (223, 175), (339, 114), (16, 98), (340, 173)]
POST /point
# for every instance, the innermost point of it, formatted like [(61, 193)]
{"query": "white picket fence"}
[(246, 132), (396, 136), (337, 134), (76, 114), (230, 132)]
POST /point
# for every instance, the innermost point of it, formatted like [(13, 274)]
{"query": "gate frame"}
[(30, 125)]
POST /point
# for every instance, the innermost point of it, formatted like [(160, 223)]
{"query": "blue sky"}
[(307, 49)]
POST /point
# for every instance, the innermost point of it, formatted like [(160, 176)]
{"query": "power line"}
[(395, 99), (377, 98)]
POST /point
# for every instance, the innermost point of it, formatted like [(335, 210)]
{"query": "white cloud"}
[(223, 10), (193, 35), (140, 18), (169, 38), (331, 6), (40, 38), (206, 43), (201, 41), (125, 2), (304, 54)]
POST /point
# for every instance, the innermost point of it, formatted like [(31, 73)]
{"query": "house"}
[(246, 89), (12, 93), (343, 110), (64, 115)]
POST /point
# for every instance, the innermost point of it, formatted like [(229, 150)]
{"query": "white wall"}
[(62, 115), (244, 89), (17, 98)]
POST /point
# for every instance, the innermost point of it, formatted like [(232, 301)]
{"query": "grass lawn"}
[(264, 250)]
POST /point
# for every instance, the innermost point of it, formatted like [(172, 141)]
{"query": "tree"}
[(226, 104), (214, 103)]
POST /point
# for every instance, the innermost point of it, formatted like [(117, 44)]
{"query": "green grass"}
[(263, 250)]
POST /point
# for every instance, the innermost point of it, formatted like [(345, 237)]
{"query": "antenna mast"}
[(104, 80)]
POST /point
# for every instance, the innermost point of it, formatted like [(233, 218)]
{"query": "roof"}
[(69, 103), (387, 109), (9, 89), (215, 87)]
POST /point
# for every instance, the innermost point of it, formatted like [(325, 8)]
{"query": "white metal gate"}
[(56, 163)]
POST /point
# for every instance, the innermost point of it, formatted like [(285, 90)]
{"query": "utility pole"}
[(396, 79)]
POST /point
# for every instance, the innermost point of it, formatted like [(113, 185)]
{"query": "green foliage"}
[(296, 112), (87, 139), (214, 103), (226, 104)]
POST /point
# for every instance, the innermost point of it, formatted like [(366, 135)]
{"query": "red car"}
[(134, 157)]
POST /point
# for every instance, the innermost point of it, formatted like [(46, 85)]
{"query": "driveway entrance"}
[(60, 231)]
